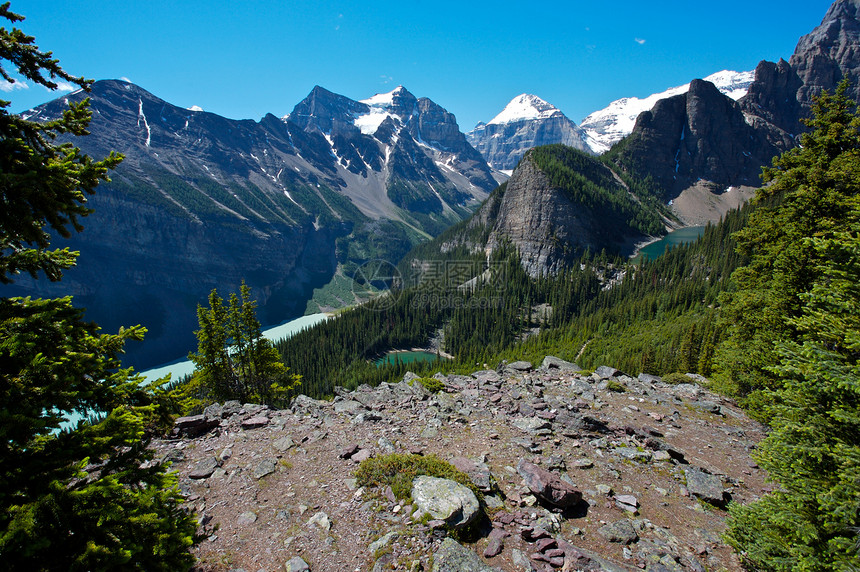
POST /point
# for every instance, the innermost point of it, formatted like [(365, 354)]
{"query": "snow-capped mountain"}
[(526, 122), (606, 127), (411, 148), (287, 204)]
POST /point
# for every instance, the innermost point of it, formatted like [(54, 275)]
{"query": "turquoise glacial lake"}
[(408, 357), (674, 238)]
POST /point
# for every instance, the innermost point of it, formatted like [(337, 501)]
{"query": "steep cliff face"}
[(698, 135), (772, 97), (608, 126), (548, 226), (782, 92), (558, 203), (526, 122), (830, 53), (203, 202)]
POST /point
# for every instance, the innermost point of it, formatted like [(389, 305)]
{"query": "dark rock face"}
[(504, 144), (698, 135), (725, 147), (830, 53), (203, 202), (782, 92), (546, 225), (773, 96)]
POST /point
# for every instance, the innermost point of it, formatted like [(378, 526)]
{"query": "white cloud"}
[(126, 80), (386, 79), (8, 86), (639, 41), (195, 108), (65, 86)]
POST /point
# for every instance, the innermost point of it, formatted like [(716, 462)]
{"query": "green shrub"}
[(675, 378), (431, 385), (398, 471), (613, 385)]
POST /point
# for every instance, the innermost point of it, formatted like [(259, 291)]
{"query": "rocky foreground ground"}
[(597, 471)]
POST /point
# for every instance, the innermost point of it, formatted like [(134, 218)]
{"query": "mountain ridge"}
[(292, 206)]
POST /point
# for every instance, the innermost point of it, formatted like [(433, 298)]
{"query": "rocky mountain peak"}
[(701, 134), (323, 110), (830, 52), (616, 121), (398, 101), (525, 107), (526, 122)]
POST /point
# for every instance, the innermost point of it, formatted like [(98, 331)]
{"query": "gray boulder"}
[(454, 557), (446, 500), (704, 486), (204, 468), (265, 467), (296, 564), (621, 531), (552, 362), (605, 372), (520, 366)]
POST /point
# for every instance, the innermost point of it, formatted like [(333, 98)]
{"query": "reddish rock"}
[(255, 422), (496, 542), (548, 486), (348, 452), (530, 534)]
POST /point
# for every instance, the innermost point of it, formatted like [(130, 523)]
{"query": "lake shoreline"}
[(682, 235)]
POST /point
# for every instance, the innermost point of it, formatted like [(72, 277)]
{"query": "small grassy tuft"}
[(615, 386), (398, 471)]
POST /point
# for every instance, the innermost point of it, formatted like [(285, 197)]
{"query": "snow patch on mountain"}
[(611, 124), (524, 107), (379, 105)]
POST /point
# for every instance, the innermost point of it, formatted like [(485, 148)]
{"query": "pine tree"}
[(812, 192), (813, 450), (90, 498), (802, 286), (233, 359)]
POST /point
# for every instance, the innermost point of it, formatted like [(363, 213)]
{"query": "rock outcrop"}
[(701, 134), (547, 225), (830, 53)]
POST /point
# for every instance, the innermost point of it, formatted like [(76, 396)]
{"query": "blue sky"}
[(245, 59)]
